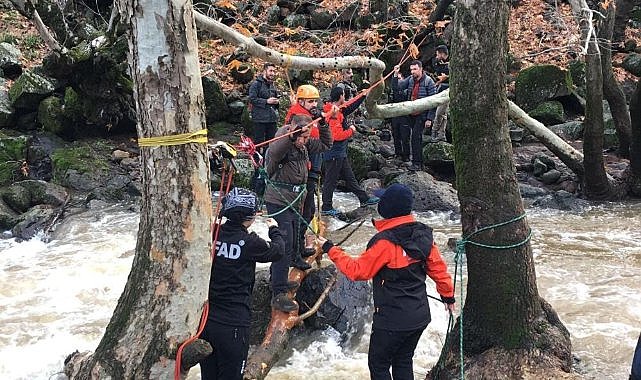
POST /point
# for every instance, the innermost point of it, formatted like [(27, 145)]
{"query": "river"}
[(57, 294)]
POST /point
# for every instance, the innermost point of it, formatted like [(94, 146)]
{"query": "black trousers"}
[(288, 224), (335, 169), (264, 132), (401, 136), (231, 345), (417, 125), (395, 349)]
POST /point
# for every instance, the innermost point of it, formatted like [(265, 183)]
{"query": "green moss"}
[(80, 52), (12, 155), (49, 115), (73, 105), (548, 113), (29, 83), (82, 158), (539, 83)]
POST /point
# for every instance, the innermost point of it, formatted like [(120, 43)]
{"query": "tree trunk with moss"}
[(611, 89), (167, 287), (504, 316)]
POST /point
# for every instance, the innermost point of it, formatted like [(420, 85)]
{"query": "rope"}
[(180, 139), (458, 270)]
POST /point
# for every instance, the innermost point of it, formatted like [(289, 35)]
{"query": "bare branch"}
[(47, 37)]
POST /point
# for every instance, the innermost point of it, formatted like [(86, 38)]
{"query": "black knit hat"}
[(397, 200), (240, 204)]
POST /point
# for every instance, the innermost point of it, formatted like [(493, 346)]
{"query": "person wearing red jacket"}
[(398, 259), (335, 160)]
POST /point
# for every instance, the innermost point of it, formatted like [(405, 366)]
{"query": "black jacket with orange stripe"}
[(398, 258)]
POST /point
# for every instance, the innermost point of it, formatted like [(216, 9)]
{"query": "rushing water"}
[(58, 296)]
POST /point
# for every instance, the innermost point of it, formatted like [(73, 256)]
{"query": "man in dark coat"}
[(263, 98)]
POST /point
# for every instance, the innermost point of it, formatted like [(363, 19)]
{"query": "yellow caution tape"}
[(180, 139)]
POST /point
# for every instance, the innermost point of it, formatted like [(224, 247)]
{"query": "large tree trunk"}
[(611, 89), (504, 316), (596, 183), (623, 9), (163, 299), (635, 147)]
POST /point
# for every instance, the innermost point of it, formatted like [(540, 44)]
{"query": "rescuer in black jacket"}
[(232, 281)]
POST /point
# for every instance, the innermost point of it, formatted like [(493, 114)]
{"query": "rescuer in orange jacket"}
[(398, 259)]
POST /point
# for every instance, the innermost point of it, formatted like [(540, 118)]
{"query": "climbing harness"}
[(458, 270)]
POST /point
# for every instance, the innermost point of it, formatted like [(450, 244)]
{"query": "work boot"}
[(194, 353), (299, 263), (282, 303), (370, 201)]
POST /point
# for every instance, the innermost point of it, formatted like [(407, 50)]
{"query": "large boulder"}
[(38, 218), (429, 194), (362, 159), (8, 217), (572, 130), (216, 108), (321, 18), (29, 89), (10, 60), (562, 200), (42, 192), (12, 155), (440, 157), (16, 197), (539, 83)]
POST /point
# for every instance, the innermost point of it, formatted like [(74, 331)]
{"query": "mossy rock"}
[(50, 115), (17, 197), (243, 177), (439, 156), (216, 108), (362, 159), (577, 72), (610, 139), (29, 89), (295, 20), (548, 113), (572, 130), (321, 18), (81, 158), (12, 154), (246, 122), (6, 111), (8, 217), (539, 83)]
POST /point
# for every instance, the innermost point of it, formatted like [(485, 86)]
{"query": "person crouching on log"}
[(287, 166), (397, 258), (232, 282)]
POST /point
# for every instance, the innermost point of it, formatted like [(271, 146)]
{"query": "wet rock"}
[(531, 192), (17, 198), (119, 155), (362, 159), (387, 174), (8, 217), (371, 184), (295, 20), (429, 194), (562, 200), (39, 150), (38, 218), (539, 167), (24, 194), (344, 307), (386, 151), (29, 89), (10, 57)]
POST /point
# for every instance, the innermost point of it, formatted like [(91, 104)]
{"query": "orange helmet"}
[(307, 91)]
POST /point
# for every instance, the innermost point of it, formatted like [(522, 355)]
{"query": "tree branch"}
[(320, 300), (47, 37)]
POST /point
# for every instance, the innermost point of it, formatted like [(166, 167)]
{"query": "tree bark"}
[(623, 9), (611, 89), (167, 287), (503, 313), (635, 147), (439, 12), (596, 183)]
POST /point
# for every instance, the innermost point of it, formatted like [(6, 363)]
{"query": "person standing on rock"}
[(263, 100), (335, 160), (418, 85), (287, 167), (398, 259), (232, 282)]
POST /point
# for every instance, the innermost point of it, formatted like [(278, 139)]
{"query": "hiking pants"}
[(392, 348), (264, 132), (288, 224), (401, 136), (417, 125), (309, 208), (335, 169), (440, 121), (231, 344)]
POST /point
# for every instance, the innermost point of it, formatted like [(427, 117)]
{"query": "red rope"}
[(216, 228)]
